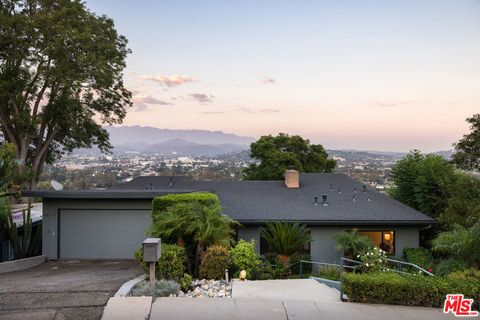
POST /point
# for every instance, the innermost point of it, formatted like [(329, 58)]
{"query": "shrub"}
[(352, 243), (285, 239), (374, 260), (469, 274), (163, 288), (412, 290), (243, 257), (214, 262), (185, 282), (170, 265), (445, 267), (419, 256), (162, 203), (326, 272), (295, 264)]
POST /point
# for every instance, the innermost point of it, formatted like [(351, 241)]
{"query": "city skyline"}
[(364, 75)]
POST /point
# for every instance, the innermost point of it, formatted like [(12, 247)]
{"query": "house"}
[(110, 224)]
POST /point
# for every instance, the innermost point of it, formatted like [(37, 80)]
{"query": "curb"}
[(127, 286)]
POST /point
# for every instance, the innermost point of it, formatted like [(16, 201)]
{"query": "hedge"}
[(162, 203), (410, 290), (171, 265)]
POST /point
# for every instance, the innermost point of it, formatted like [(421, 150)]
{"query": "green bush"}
[(243, 257), (163, 288), (295, 264), (419, 256), (162, 203), (411, 290), (374, 260), (185, 282), (170, 265), (214, 262), (469, 274), (330, 273)]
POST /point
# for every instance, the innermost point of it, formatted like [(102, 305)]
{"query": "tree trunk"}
[(188, 264), (198, 257)]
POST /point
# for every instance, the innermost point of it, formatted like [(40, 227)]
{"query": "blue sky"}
[(376, 75)]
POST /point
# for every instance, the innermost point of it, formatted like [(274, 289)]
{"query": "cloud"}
[(391, 104), (213, 112), (169, 81), (268, 80), (201, 97), (263, 110), (141, 102)]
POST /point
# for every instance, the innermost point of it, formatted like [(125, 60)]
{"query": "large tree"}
[(467, 150), (424, 182), (276, 154), (61, 78)]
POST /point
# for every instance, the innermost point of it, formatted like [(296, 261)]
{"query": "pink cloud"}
[(169, 81), (268, 80)]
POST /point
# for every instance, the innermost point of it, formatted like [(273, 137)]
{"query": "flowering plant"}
[(374, 260)]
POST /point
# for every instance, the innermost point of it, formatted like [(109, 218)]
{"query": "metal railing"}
[(400, 266)]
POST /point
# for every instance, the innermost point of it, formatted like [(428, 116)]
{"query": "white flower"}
[(366, 264), (358, 256)]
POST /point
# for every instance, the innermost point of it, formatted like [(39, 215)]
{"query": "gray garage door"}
[(102, 234)]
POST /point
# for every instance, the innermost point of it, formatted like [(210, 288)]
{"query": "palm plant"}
[(209, 226), (352, 243), (461, 245), (285, 239), (173, 223)]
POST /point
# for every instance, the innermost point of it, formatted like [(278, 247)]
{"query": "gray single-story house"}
[(111, 224)]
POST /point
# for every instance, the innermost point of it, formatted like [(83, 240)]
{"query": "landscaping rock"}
[(202, 288)]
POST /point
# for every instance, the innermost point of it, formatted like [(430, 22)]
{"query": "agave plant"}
[(352, 243), (285, 239)]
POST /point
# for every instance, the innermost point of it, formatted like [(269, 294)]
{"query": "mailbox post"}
[(151, 254)]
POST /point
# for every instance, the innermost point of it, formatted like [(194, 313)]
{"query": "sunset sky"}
[(370, 75)]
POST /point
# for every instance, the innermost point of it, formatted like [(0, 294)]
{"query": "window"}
[(383, 239)]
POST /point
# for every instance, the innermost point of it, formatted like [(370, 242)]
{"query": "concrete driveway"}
[(63, 290)]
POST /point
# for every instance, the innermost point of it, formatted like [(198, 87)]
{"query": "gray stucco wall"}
[(94, 228), (114, 228), (248, 233), (322, 247)]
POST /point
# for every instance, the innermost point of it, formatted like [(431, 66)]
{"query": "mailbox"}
[(151, 249)]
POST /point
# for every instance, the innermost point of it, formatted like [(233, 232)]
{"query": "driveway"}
[(63, 289)]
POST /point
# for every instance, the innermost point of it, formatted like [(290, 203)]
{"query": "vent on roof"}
[(354, 199), (364, 188), (355, 190), (315, 201), (152, 186), (170, 182), (331, 187), (339, 191), (324, 200)]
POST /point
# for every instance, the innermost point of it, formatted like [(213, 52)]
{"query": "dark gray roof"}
[(252, 202)]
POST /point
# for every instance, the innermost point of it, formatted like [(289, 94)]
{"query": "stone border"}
[(21, 264), (127, 286)]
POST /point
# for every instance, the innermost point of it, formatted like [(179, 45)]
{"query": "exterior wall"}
[(248, 233), (134, 218), (322, 247), (323, 244)]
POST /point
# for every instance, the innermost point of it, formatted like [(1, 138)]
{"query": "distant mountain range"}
[(187, 142)]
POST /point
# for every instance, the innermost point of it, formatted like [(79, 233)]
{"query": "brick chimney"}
[(292, 179)]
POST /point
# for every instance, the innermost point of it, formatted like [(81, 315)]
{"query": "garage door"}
[(102, 234)]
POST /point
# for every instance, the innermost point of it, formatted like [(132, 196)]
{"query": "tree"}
[(276, 154), (285, 239), (461, 245), (463, 207), (467, 150), (424, 182), (61, 78), (210, 226), (352, 243)]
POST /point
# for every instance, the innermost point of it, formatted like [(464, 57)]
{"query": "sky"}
[(383, 75)]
